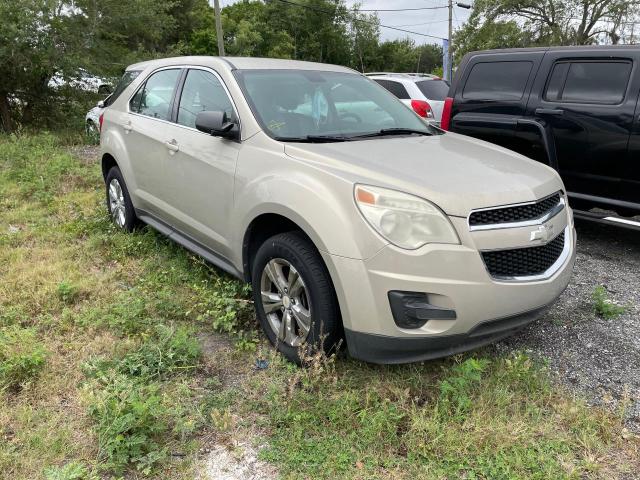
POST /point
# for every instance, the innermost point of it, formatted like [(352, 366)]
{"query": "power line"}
[(320, 10), (400, 9)]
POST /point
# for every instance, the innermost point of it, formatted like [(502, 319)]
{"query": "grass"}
[(112, 365), (604, 306)]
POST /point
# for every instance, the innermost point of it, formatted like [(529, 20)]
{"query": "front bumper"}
[(388, 350), (454, 278)]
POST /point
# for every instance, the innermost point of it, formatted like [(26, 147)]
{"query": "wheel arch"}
[(108, 162), (268, 224)]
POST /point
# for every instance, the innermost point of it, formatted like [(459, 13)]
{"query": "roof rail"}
[(402, 74)]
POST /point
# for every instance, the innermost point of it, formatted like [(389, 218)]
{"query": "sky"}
[(431, 22)]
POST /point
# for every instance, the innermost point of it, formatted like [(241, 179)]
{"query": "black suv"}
[(573, 108)]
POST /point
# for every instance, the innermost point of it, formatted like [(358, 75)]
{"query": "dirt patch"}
[(237, 463)]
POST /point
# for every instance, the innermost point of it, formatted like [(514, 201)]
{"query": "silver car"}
[(350, 216)]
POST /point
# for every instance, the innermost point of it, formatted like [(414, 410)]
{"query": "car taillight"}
[(445, 123), (100, 120), (422, 108)]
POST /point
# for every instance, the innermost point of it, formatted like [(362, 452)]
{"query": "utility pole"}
[(216, 7), (447, 74)]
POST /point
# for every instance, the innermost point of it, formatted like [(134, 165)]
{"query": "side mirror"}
[(217, 124), (100, 104)]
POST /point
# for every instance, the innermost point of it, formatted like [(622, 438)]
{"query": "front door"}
[(587, 107), (202, 167)]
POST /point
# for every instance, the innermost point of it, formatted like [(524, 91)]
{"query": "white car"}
[(84, 81), (92, 122), (422, 92)]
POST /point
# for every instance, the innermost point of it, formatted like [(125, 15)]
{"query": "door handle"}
[(549, 111), (127, 127), (172, 145)]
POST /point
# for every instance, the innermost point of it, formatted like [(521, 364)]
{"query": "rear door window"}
[(596, 82), (504, 81), (154, 98), (396, 88), (434, 89)]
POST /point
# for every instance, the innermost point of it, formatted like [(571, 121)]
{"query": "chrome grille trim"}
[(560, 206)]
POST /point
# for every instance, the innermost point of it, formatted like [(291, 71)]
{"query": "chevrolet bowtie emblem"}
[(542, 233)]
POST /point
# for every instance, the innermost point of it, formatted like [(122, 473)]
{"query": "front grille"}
[(523, 262), (518, 213)]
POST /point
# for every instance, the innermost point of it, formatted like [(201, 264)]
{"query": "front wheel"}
[(294, 297)]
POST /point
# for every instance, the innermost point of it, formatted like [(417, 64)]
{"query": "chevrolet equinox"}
[(349, 215)]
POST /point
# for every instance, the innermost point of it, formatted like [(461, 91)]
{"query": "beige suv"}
[(350, 216)]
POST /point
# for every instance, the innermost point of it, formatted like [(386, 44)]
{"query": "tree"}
[(563, 22), (477, 35)]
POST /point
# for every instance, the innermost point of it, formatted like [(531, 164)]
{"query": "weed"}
[(67, 292), (221, 419), (21, 357), (130, 419), (223, 303), (70, 471), (457, 389), (604, 306)]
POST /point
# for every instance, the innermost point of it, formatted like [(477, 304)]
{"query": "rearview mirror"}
[(217, 124)]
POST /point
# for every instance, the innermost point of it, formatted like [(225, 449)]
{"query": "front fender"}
[(325, 211)]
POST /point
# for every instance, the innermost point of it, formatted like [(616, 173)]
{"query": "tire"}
[(311, 302), (119, 203), (93, 132)]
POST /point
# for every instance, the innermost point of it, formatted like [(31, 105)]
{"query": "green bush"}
[(21, 356)]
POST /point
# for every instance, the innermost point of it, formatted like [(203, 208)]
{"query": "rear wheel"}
[(294, 297), (119, 202)]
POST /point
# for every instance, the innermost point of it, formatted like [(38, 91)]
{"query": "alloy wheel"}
[(117, 205), (286, 302)]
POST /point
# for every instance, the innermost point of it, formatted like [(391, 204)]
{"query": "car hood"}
[(457, 173)]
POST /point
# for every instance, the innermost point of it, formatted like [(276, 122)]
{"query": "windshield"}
[(434, 89), (296, 104)]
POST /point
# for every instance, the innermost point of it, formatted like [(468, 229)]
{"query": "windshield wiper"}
[(393, 131), (314, 139)]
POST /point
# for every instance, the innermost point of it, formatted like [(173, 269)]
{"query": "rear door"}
[(491, 96), (631, 178), (145, 136), (586, 103)]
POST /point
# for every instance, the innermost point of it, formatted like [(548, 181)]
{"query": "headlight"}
[(404, 220)]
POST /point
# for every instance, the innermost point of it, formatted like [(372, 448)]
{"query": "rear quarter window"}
[(595, 82), (434, 89), (396, 88), (504, 81)]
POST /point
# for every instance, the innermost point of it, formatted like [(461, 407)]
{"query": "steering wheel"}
[(356, 117)]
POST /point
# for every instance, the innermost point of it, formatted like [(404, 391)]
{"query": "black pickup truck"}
[(574, 108)]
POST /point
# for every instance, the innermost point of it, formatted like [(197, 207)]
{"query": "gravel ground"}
[(598, 358)]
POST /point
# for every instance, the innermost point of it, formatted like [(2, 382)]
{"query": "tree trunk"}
[(5, 113)]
